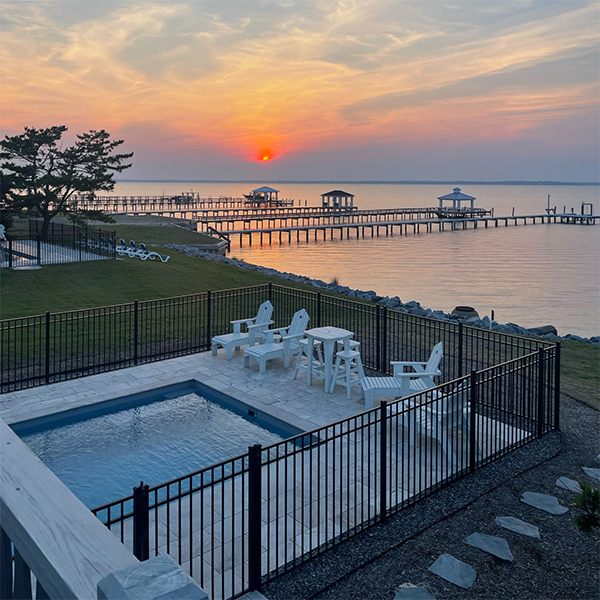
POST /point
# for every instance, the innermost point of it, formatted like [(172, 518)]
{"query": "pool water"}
[(102, 458)]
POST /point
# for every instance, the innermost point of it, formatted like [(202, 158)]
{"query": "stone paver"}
[(544, 502), (455, 571), (568, 484), (491, 544), (518, 526), (592, 472), (408, 591)]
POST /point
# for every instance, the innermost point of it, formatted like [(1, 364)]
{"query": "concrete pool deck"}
[(274, 392)]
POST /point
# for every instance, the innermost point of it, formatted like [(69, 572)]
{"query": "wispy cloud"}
[(244, 78)]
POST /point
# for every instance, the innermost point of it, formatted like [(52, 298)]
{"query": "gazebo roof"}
[(265, 188), (339, 193), (456, 195)]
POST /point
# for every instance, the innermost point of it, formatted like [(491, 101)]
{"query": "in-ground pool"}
[(102, 452)]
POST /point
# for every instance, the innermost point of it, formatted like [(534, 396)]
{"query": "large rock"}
[(543, 330), (496, 546), (544, 502), (518, 526), (455, 571)]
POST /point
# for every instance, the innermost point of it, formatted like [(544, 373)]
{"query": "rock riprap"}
[(518, 526), (455, 571), (544, 502), (496, 546)]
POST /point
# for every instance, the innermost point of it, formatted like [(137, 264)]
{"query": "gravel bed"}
[(564, 564)]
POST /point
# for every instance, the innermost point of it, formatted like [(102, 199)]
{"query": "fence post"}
[(208, 323), (22, 578), (47, 357), (135, 332), (378, 338), (80, 243), (254, 515), (384, 341), (6, 566), (10, 254), (318, 309), (460, 350), (473, 423), (557, 387), (271, 292), (383, 462), (39, 250), (141, 520), (540, 406)]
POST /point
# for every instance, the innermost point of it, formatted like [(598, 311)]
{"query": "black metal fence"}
[(244, 521), (57, 346), (25, 246)]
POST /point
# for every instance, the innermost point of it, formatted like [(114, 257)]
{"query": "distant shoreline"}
[(447, 182)]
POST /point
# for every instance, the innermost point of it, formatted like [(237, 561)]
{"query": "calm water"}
[(533, 275), (101, 459)]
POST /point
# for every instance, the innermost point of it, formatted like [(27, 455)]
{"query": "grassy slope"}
[(58, 288), (66, 287)]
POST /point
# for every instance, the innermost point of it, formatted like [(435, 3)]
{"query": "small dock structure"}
[(337, 199), (457, 210), (266, 196)]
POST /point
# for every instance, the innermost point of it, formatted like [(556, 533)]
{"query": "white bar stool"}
[(351, 373), (318, 362)]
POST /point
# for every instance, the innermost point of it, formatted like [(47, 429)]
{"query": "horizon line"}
[(366, 181)]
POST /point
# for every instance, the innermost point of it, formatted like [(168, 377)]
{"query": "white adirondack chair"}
[(442, 420), (288, 346), (404, 383), (255, 331)]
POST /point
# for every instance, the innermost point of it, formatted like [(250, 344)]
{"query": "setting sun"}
[(266, 157)]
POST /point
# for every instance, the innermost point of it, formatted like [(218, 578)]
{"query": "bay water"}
[(531, 275)]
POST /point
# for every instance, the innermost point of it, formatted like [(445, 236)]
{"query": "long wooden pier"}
[(399, 227)]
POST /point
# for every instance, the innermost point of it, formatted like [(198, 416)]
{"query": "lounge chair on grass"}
[(255, 331), (404, 383), (288, 346), (152, 255)]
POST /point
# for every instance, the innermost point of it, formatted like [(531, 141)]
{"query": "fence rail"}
[(242, 522), (55, 347), (25, 246), (246, 520)]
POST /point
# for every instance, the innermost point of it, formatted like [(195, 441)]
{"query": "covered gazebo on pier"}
[(337, 199), (264, 195), (457, 198)]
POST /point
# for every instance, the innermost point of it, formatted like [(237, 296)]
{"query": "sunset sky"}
[(333, 90)]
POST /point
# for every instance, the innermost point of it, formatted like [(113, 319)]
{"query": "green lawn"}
[(57, 288)]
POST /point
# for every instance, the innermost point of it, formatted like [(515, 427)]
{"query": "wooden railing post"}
[(22, 581), (254, 515)]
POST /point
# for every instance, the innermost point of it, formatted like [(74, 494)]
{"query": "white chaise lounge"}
[(288, 346), (255, 331), (404, 383)]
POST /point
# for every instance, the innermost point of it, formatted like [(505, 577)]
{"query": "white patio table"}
[(328, 336)]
